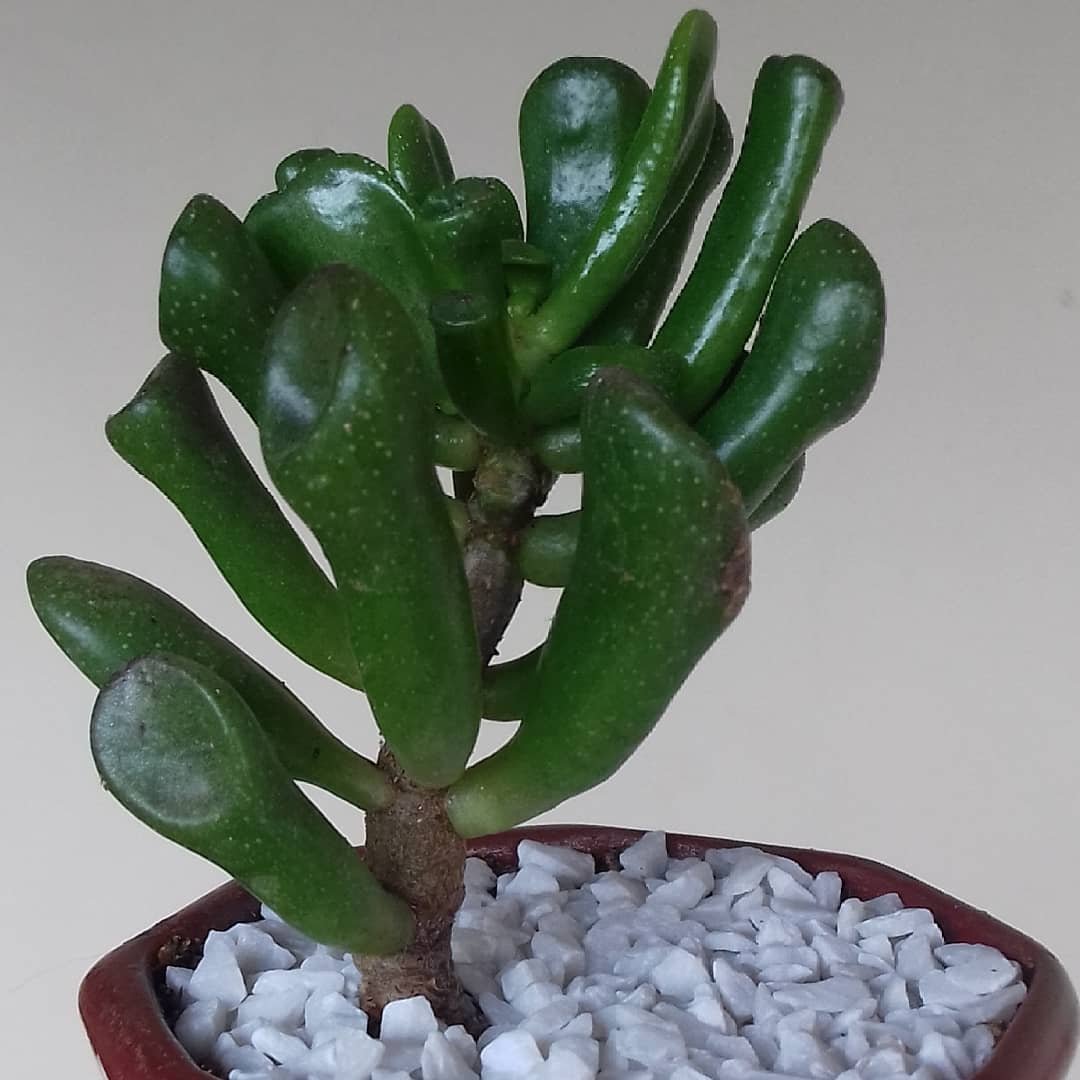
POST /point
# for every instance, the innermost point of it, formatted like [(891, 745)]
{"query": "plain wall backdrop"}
[(903, 681)]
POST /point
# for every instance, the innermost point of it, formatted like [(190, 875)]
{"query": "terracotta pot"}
[(121, 1003)]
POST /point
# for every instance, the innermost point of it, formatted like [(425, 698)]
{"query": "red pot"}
[(122, 1010)]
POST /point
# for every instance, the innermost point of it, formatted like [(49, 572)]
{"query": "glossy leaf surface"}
[(559, 448), (217, 297), (557, 387), (661, 570), (464, 227), (178, 746), (173, 433), (546, 553), (290, 167), (417, 155), (812, 365), (347, 209), (477, 363), (795, 103), (577, 121), (680, 106), (633, 313), (347, 436), (103, 619), (528, 272)]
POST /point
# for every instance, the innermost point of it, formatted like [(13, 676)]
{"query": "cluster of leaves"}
[(378, 321)]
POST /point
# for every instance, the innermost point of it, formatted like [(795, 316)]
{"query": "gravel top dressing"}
[(741, 966)]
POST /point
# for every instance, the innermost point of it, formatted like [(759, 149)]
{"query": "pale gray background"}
[(903, 682)]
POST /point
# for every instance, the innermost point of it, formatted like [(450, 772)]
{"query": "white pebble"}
[(686, 890), (833, 995), (736, 988), (441, 1060), (652, 1046), (647, 857), (199, 1026), (738, 966), (410, 1020), (571, 868), (512, 1054), (218, 976), (357, 1054), (982, 976), (899, 924), (284, 1009), (531, 881)]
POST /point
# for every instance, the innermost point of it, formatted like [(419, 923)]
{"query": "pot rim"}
[(122, 1009)]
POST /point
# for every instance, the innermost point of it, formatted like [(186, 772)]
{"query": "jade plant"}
[(376, 322)]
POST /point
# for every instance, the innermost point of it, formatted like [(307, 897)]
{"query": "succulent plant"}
[(379, 321)]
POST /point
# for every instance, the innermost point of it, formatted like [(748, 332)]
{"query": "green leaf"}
[(795, 103), (477, 363), (289, 168), (508, 686), (557, 387), (647, 188), (559, 448), (347, 435), (545, 555), (104, 619), (217, 297), (813, 363), (173, 434), (464, 227), (347, 209), (417, 154), (662, 568), (779, 499), (457, 445), (527, 271), (577, 121), (178, 746), (632, 314)]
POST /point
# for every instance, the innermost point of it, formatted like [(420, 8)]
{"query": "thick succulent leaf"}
[(347, 435), (173, 433), (779, 499), (464, 227), (813, 363), (795, 103), (557, 387), (528, 271), (217, 297), (179, 747), (346, 208), (545, 555), (633, 313), (680, 106), (417, 154), (577, 121), (290, 167), (507, 686), (457, 444), (662, 568), (559, 448), (103, 619), (477, 362)]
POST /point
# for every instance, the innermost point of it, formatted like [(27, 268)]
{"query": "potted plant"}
[(379, 322)]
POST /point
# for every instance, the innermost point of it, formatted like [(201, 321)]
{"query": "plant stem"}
[(411, 846)]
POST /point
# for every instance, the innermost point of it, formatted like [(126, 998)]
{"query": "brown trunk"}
[(411, 846), (413, 850)]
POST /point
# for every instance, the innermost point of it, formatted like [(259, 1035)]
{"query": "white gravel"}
[(740, 966)]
